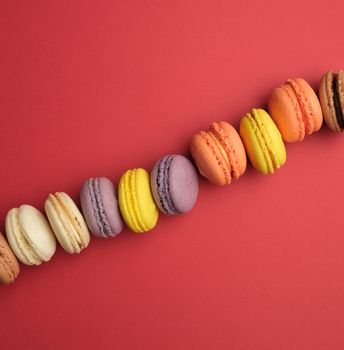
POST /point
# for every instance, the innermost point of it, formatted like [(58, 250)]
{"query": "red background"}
[(94, 88)]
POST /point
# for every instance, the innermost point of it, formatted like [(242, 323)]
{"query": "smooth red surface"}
[(94, 88)]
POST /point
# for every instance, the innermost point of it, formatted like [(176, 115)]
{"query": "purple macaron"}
[(100, 208), (174, 184)]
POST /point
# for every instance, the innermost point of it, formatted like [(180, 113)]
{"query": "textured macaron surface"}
[(67, 222), (219, 153), (232, 145), (100, 207), (295, 109), (174, 184), (9, 267), (263, 141), (331, 92), (136, 202), (30, 235)]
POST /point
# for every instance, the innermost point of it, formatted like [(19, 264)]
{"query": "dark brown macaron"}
[(331, 92), (9, 266)]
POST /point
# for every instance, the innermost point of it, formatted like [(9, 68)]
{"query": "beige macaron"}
[(29, 235), (67, 222)]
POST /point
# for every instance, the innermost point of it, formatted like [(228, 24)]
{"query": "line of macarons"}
[(220, 155), (171, 187)]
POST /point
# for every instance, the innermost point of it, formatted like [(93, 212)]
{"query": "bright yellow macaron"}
[(263, 141), (136, 202)]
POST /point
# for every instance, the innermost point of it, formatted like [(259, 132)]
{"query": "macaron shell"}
[(9, 267), (110, 205), (136, 202), (147, 209), (159, 171), (37, 231), (60, 225), (107, 215), (340, 81), (16, 238), (183, 184), (325, 103), (285, 111), (128, 202), (67, 222), (253, 146), (326, 100), (87, 207), (295, 109), (313, 111), (326, 96), (125, 203), (208, 160), (75, 217), (234, 147), (273, 136)]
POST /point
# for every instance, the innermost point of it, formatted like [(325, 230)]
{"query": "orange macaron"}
[(219, 153), (9, 266), (295, 109)]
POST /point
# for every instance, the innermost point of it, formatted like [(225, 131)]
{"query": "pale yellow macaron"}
[(29, 235), (67, 222), (263, 141), (136, 202)]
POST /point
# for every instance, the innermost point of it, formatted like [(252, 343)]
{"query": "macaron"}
[(136, 202), (263, 141), (174, 184), (100, 207), (331, 91), (295, 109), (219, 153), (9, 267), (67, 222), (29, 235)]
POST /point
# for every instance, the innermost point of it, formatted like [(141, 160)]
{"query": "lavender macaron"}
[(100, 207), (174, 184)]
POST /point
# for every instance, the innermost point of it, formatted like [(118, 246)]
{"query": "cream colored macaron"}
[(29, 235), (67, 222)]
